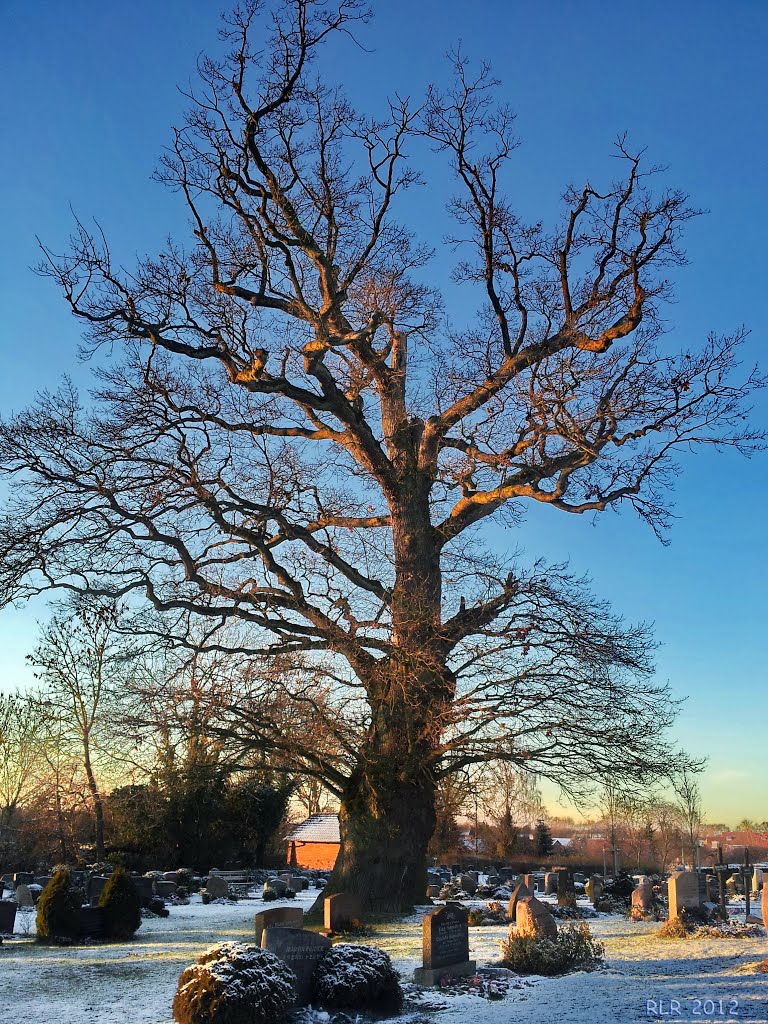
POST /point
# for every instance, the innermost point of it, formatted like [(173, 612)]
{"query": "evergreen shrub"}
[(58, 909)]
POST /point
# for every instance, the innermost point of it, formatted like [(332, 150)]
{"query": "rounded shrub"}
[(58, 909), (357, 978), (121, 905), (574, 949), (234, 983)]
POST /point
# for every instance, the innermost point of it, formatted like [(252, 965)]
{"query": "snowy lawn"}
[(134, 983)]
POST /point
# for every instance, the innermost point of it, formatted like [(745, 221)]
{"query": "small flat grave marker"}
[(300, 950), (445, 945)]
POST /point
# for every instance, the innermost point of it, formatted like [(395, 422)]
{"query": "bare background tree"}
[(299, 441)]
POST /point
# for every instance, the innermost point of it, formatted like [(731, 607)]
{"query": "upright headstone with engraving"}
[(300, 950), (445, 945), (278, 917), (550, 883), (341, 912), (683, 891)]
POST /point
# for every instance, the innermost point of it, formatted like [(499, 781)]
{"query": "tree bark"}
[(98, 807), (386, 820)]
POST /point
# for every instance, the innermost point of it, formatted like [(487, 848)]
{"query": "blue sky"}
[(89, 92)]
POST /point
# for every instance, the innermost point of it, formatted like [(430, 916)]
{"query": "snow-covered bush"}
[(58, 909), (357, 978), (574, 949), (121, 904), (234, 983), (269, 894)]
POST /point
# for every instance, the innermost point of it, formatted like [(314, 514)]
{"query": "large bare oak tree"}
[(299, 448)]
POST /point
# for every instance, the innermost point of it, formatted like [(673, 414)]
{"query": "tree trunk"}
[(98, 807), (386, 820)]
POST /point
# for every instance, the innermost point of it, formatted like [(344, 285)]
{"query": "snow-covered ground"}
[(134, 983)]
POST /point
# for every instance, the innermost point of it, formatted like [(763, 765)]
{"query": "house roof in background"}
[(320, 828)]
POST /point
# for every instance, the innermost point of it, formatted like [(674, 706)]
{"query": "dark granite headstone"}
[(144, 887), (23, 878), (91, 921), (278, 917), (166, 889), (300, 950), (7, 916), (95, 888), (341, 911), (445, 945)]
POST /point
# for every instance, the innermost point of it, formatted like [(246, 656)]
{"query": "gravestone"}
[(764, 906), (23, 878), (166, 889), (445, 945), (533, 918), (530, 882), (494, 881), (757, 880), (171, 876), (277, 885), (300, 950), (550, 883), (144, 887), (296, 883), (96, 885), (566, 894), (594, 889), (519, 893), (683, 891), (218, 887), (341, 911), (278, 917), (713, 890), (642, 897), (474, 875), (91, 921), (7, 917), (42, 880), (468, 884), (433, 892), (24, 897)]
